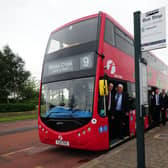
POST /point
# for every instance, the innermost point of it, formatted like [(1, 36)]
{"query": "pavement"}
[(125, 156)]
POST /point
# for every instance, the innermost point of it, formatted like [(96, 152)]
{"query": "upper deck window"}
[(123, 42), (114, 36), (72, 35), (109, 32)]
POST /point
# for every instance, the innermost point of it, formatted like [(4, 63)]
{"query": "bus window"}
[(123, 42), (73, 35), (101, 106), (109, 32)]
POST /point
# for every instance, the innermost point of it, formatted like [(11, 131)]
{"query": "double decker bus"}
[(80, 58)]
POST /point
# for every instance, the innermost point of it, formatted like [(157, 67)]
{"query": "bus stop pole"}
[(139, 114)]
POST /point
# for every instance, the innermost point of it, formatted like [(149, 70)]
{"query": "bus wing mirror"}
[(103, 87)]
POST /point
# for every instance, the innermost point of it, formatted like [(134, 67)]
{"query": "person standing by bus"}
[(120, 111), (109, 103), (151, 98), (163, 106), (156, 107)]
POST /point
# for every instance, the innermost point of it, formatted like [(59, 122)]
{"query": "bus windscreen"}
[(73, 35), (68, 99)]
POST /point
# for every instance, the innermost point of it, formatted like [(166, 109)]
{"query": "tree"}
[(12, 76), (30, 90), (4, 91)]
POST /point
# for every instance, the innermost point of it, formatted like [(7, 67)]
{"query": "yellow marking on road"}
[(17, 151)]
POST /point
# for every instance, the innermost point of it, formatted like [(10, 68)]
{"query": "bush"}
[(31, 101), (17, 107)]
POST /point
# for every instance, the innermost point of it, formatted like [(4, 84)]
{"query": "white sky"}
[(26, 25)]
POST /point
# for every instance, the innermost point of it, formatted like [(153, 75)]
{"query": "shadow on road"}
[(84, 155)]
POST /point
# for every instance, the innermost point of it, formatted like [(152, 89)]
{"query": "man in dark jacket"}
[(163, 105), (120, 109)]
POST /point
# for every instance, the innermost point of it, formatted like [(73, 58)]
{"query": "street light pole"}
[(139, 114)]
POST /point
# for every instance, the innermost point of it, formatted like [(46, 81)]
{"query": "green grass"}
[(16, 118)]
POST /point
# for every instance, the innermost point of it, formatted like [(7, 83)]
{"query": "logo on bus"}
[(60, 137), (111, 66), (60, 141), (85, 61)]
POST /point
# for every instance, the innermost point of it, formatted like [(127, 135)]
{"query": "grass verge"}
[(16, 118)]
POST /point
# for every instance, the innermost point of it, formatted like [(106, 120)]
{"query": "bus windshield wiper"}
[(51, 113), (78, 110)]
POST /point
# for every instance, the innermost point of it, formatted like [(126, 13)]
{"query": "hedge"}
[(17, 107)]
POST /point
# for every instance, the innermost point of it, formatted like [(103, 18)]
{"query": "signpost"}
[(139, 116), (149, 34), (153, 29)]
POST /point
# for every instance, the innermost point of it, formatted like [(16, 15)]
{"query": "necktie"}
[(117, 97)]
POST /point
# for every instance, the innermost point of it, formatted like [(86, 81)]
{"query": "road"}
[(20, 148)]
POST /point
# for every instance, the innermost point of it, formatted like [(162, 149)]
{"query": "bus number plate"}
[(63, 143)]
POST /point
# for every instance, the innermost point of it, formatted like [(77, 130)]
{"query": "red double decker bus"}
[(78, 57)]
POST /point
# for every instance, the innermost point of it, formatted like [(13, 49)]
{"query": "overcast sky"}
[(26, 25)]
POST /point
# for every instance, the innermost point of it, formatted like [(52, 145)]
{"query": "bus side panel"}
[(132, 123), (118, 64), (146, 122)]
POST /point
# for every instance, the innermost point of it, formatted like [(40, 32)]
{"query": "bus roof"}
[(75, 21), (110, 18), (128, 33)]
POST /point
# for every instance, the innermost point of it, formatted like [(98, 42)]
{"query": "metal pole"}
[(139, 117)]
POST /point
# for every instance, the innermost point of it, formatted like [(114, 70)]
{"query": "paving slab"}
[(125, 156)]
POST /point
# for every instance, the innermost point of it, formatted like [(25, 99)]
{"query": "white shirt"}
[(119, 101), (157, 99)]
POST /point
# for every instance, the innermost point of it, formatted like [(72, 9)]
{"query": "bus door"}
[(151, 93), (131, 108), (112, 121)]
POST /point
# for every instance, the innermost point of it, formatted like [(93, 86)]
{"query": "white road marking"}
[(17, 151), (161, 136)]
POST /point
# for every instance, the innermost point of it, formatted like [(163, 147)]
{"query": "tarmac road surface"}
[(20, 148)]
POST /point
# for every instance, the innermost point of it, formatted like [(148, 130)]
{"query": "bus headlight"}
[(89, 129), (84, 132)]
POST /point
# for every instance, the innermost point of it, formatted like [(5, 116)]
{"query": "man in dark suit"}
[(163, 106), (156, 107), (120, 109), (109, 103)]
